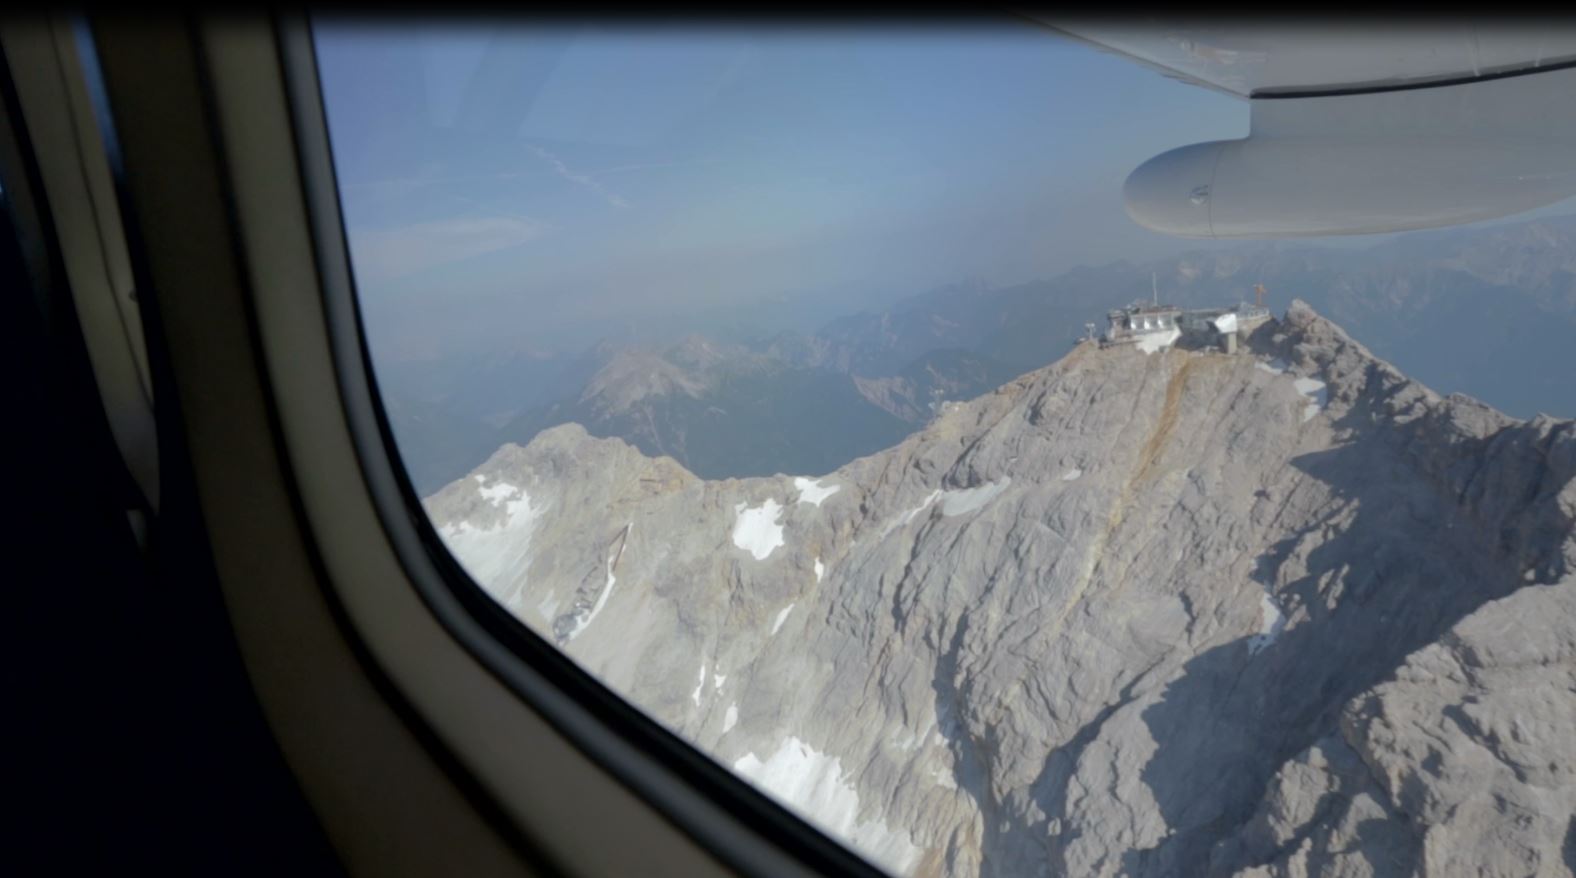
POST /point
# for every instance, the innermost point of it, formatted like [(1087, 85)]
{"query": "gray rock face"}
[(1463, 762), (1182, 613)]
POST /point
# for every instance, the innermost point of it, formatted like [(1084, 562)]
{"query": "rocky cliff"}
[(1281, 613)]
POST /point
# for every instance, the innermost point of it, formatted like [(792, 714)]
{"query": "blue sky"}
[(538, 188)]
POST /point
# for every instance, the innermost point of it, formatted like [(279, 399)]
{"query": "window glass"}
[(762, 370)]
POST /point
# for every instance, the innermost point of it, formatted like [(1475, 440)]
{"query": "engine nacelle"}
[(1362, 164)]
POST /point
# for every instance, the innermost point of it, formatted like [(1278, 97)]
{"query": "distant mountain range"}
[(723, 410), (1486, 312)]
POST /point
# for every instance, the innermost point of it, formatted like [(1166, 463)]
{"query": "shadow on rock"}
[(1399, 560)]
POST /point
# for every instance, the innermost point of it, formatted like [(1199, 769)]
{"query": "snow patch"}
[(1072, 475), (1158, 341), (497, 557), (1271, 623), (1318, 395), (601, 601), (497, 493), (924, 504), (1276, 366), (699, 685), (967, 500), (782, 616), (820, 569), (811, 491), (813, 784), (717, 679), (731, 718), (909, 515), (758, 530)]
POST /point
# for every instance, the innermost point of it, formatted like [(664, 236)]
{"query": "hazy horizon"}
[(544, 184), (540, 188)]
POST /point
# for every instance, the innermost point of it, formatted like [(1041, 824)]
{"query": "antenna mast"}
[(1154, 288)]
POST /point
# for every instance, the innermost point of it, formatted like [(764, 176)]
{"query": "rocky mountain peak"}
[(1146, 614), (637, 374)]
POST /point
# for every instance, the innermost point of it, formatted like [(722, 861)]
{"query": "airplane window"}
[(762, 371)]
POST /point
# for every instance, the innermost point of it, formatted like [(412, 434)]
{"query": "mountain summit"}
[(1286, 612)]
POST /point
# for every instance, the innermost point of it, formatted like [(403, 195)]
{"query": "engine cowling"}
[(1370, 163)]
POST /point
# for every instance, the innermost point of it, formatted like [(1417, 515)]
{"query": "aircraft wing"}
[(1356, 128), (1287, 59)]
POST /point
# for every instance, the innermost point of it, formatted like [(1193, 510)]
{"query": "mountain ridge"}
[(1125, 614), (1487, 311)]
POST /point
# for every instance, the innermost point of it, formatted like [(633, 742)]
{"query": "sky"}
[(534, 189), (540, 187)]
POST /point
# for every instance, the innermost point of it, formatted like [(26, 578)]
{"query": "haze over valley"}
[(1488, 312)]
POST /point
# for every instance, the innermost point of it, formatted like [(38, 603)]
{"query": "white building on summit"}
[(1140, 319), (1223, 326), (1151, 325)]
